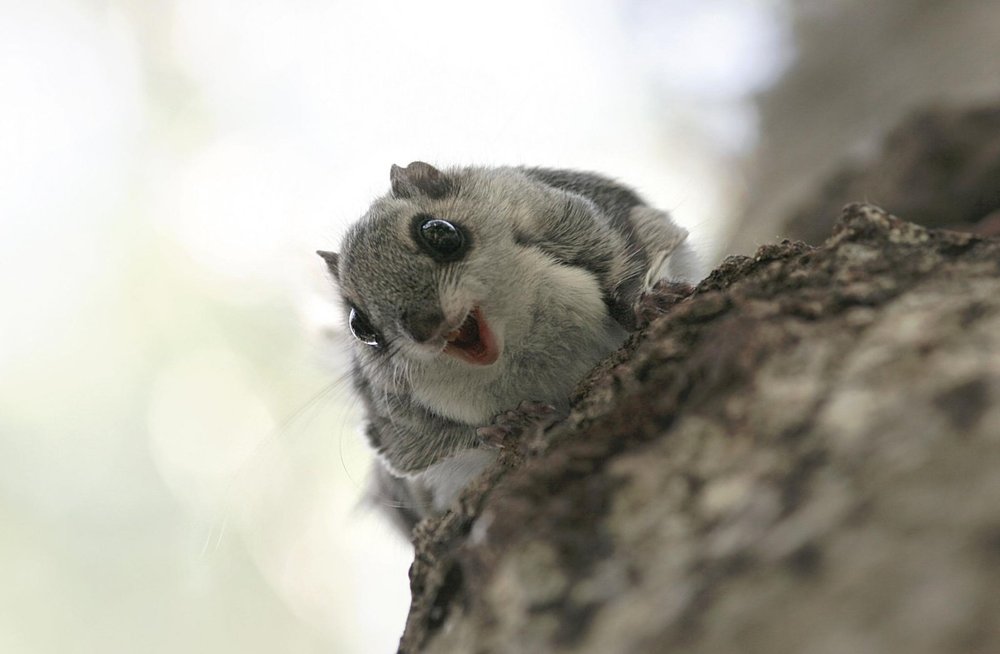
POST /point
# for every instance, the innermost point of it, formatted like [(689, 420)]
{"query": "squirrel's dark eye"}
[(441, 239), (362, 328)]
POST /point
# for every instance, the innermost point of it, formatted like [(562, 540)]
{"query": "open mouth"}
[(473, 341)]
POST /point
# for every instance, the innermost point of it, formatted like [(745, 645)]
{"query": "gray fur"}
[(557, 264)]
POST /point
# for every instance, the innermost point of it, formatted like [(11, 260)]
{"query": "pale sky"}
[(168, 170)]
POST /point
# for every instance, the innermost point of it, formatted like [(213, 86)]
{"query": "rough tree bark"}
[(802, 456)]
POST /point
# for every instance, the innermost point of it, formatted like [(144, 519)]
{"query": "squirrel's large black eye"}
[(441, 239), (362, 328)]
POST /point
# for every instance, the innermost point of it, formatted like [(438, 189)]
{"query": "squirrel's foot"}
[(658, 299), (509, 426)]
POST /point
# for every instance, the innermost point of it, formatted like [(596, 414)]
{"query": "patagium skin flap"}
[(469, 291)]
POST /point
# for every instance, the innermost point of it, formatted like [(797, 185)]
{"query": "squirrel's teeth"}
[(467, 333), (473, 341)]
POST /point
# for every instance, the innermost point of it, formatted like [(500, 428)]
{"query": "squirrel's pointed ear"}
[(332, 259), (419, 178)]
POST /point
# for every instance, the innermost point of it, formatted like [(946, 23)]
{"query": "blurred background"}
[(180, 460)]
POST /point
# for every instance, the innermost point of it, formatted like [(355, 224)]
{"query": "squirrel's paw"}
[(658, 299), (510, 425)]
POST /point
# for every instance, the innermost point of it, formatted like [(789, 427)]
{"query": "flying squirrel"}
[(474, 291)]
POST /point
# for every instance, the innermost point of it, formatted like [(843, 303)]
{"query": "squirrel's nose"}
[(422, 324)]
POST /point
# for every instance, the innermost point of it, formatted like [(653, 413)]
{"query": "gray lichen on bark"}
[(801, 457)]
